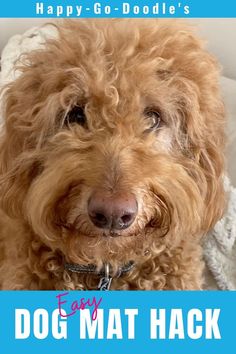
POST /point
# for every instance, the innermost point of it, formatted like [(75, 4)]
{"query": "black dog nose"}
[(116, 212)]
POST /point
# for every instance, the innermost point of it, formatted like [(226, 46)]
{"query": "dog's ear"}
[(210, 156), (195, 75), (19, 138), (206, 131), (32, 105)]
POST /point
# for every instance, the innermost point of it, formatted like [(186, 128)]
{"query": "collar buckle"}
[(105, 282)]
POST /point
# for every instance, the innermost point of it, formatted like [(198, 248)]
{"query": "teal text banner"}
[(117, 322), (118, 8)]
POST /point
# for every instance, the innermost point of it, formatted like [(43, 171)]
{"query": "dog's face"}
[(114, 140)]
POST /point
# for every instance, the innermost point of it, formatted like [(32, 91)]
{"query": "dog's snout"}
[(116, 212)]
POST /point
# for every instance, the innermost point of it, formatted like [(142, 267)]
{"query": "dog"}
[(111, 158)]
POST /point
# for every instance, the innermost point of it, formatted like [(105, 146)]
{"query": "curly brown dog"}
[(111, 157)]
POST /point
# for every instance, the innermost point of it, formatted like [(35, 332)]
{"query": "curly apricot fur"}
[(114, 69)]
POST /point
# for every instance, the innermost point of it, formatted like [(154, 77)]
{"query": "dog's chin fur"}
[(115, 69)]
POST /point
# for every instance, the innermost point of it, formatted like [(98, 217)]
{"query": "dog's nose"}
[(116, 212)]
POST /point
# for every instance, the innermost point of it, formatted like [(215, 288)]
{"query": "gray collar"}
[(104, 273)]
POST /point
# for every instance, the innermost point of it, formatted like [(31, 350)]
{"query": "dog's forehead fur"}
[(118, 67)]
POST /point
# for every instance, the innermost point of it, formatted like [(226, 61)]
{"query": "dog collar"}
[(104, 273)]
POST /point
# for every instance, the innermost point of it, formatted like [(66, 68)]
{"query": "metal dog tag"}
[(105, 283)]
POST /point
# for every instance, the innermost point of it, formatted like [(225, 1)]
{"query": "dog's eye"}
[(153, 118), (76, 115)]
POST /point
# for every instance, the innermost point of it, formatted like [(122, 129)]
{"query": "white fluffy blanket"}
[(220, 243)]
